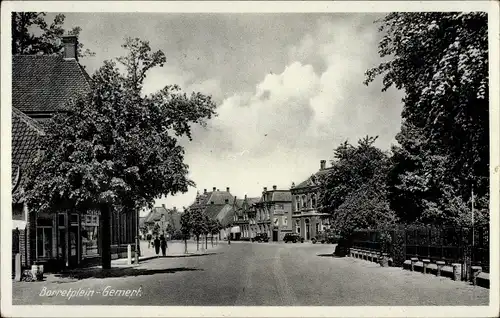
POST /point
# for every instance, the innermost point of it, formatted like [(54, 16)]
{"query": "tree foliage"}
[(354, 191), (32, 35), (440, 60), (117, 146)]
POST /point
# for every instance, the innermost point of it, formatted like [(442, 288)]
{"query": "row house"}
[(270, 213), (307, 220), (243, 216), (274, 213), (43, 85)]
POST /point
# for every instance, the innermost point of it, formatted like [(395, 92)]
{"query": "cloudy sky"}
[(289, 88)]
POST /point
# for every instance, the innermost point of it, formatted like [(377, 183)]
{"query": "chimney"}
[(322, 164), (204, 191), (217, 189), (245, 196), (163, 205), (274, 187), (227, 189), (293, 185), (70, 44), (213, 189), (265, 189), (175, 209)]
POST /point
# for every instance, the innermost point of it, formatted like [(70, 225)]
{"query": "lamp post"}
[(137, 238)]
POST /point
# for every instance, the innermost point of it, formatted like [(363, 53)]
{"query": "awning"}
[(19, 224), (235, 229)]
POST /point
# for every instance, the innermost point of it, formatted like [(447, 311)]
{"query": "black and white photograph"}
[(267, 159)]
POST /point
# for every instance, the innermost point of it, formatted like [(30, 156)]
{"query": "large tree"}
[(118, 147), (440, 60), (354, 191), (32, 35)]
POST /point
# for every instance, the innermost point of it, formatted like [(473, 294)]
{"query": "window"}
[(44, 241), (313, 201), (285, 221), (317, 227), (297, 226), (297, 202), (304, 201)]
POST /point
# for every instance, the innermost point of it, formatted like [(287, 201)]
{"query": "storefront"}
[(90, 234)]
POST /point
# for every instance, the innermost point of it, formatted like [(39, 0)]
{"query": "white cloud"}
[(278, 133)]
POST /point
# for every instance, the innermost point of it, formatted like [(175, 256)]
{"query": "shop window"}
[(44, 242)]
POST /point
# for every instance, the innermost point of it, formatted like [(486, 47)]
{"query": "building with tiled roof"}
[(26, 134), (217, 205), (45, 84), (161, 217), (307, 220)]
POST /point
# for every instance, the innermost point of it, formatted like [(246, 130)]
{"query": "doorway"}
[(275, 235), (308, 230)]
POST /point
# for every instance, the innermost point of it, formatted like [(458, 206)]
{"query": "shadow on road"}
[(120, 272), (329, 255), (189, 255)]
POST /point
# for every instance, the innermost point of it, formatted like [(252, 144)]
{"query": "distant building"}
[(161, 218), (307, 221), (242, 215), (217, 205), (273, 213)]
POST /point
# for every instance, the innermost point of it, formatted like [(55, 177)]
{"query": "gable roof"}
[(45, 83), (25, 145), (156, 214), (226, 215), (309, 182), (213, 210)]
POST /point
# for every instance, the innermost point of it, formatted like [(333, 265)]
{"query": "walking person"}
[(157, 246), (163, 244)]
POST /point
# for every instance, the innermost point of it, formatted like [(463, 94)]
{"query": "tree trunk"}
[(105, 236), (212, 240), (197, 242), (206, 241), (185, 245)]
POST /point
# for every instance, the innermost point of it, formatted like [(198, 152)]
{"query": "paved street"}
[(245, 273)]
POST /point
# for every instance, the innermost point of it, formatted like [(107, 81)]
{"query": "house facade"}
[(307, 220), (159, 220), (273, 213), (43, 85), (243, 216)]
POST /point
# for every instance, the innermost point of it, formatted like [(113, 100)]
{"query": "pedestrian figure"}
[(157, 246), (163, 244)]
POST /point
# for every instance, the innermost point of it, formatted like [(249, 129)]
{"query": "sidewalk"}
[(174, 249)]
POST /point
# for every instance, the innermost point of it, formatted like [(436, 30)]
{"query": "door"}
[(73, 246), (275, 236)]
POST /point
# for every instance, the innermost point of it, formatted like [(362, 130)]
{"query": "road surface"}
[(253, 274)]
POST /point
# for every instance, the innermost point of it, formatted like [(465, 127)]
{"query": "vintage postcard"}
[(250, 159)]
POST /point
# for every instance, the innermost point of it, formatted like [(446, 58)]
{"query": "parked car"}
[(293, 237), (261, 237), (326, 236)]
